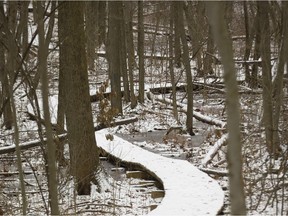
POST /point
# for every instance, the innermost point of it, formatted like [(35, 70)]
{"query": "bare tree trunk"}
[(247, 42), (278, 81), (63, 61), (18, 152), (36, 79), (256, 56), (209, 52), (130, 50), (171, 64), (7, 113), (177, 39), (22, 31), (141, 51), (9, 80), (195, 22), (102, 22), (84, 156), (42, 70), (91, 18), (186, 62), (263, 8), (154, 36), (114, 54), (215, 12), (123, 56)]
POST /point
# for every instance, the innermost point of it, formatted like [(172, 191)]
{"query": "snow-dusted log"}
[(61, 138), (197, 115), (117, 122), (27, 145), (212, 152), (206, 119), (215, 172), (188, 191)]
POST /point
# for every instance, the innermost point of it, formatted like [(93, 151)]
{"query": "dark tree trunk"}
[(84, 157), (186, 62), (171, 63), (91, 18), (130, 50), (114, 54), (265, 51), (141, 50)]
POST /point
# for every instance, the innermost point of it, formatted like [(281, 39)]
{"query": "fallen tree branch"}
[(30, 144), (61, 137), (197, 115), (206, 119), (54, 126), (97, 97), (212, 152), (116, 123), (214, 172)]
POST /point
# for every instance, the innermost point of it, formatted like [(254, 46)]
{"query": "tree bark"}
[(171, 64), (256, 55), (114, 54), (177, 40), (63, 60), (247, 42), (7, 110), (265, 50), (278, 81), (186, 62), (22, 31), (84, 157), (141, 51), (42, 70), (123, 57), (195, 22), (91, 29), (208, 55), (102, 22), (130, 50), (215, 12), (9, 75)]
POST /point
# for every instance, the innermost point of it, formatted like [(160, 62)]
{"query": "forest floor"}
[(149, 132), (264, 178)]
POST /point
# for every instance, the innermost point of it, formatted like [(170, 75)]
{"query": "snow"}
[(213, 150), (196, 114), (53, 105), (188, 191)]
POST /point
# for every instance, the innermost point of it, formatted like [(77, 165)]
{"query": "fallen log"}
[(197, 115), (96, 97), (213, 151), (116, 123), (54, 126), (61, 137), (28, 145), (214, 172), (206, 119), (167, 89)]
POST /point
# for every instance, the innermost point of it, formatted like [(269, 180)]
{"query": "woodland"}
[(143, 107)]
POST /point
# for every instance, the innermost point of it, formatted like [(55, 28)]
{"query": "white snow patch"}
[(188, 191)]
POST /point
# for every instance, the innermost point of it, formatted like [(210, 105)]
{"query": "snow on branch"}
[(212, 152), (197, 115)]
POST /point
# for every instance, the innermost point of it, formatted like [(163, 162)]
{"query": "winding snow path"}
[(188, 191)]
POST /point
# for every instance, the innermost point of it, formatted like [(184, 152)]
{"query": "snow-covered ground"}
[(188, 191)]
